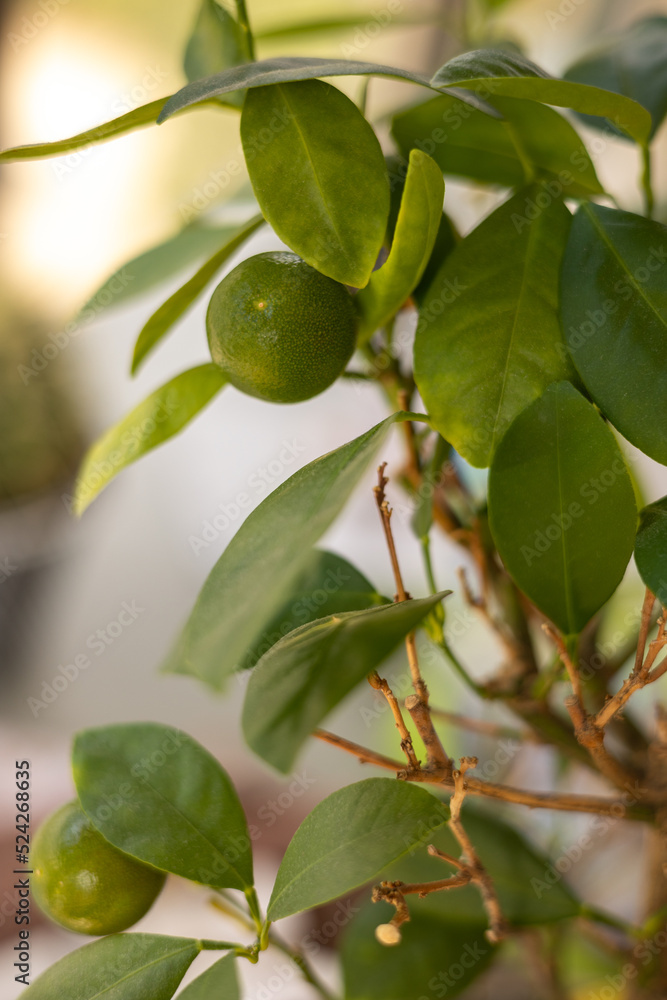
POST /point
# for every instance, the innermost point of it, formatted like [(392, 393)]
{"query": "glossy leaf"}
[(310, 671), (415, 234), (488, 338), (118, 967), (217, 42), (137, 118), (562, 507), (494, 72), (319, 176), (161, 415), (154, 266), (436, 957), (247, 586), (651, 548), (326, 585), (349, 838), (522, 875), (614, 314), (634, 64), (219, 982), (467, 143), (158, 795), (170, 311), (287, 69)]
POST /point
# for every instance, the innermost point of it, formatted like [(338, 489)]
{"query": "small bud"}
[(388, 934)]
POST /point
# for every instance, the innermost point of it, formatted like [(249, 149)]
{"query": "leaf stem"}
[(253, 907), (208, 945), (244, 23), (428, 566), (646, 180)]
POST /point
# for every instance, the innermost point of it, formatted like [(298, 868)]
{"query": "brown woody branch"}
[(506, 793)]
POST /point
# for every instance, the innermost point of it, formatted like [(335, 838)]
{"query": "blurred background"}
[(65, 225)]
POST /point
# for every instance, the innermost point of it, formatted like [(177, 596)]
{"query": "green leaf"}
[(651, 548), (170, 311), (217, 43), (467, 143), (320, 177), (161, 415), (118, 967), (614, 314), (349, 838), (488, 338), (158, 795), (445, 241), (156, 265), (416, 230), (310, 671), (326, 585), (522, 875), (248, 584), (496, 73), (562, 507), (220, 982), (137, 118), (287, 69), (436, 957), (633, 64)]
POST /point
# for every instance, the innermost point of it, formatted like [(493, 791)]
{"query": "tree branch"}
[(506, 793)]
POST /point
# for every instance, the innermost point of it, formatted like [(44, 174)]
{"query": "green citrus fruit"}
[(279, 329), (83, 882)]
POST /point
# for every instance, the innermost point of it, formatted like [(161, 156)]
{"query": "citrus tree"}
[(541, 339)]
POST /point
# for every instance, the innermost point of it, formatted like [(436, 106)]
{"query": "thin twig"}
[(586, 727), (478, 873), (401, 594), (364, 755), (380, 684), (572, 672), (641, 675), (647, 611), (385, 517)]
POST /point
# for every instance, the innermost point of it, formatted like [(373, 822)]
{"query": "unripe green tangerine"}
[(83, 882), (279, 329)]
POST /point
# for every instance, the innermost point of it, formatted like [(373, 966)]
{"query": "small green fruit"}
[(83, 882), (279, 329)]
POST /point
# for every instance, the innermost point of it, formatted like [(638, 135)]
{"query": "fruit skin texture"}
[(279, 329), (83, 882)]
